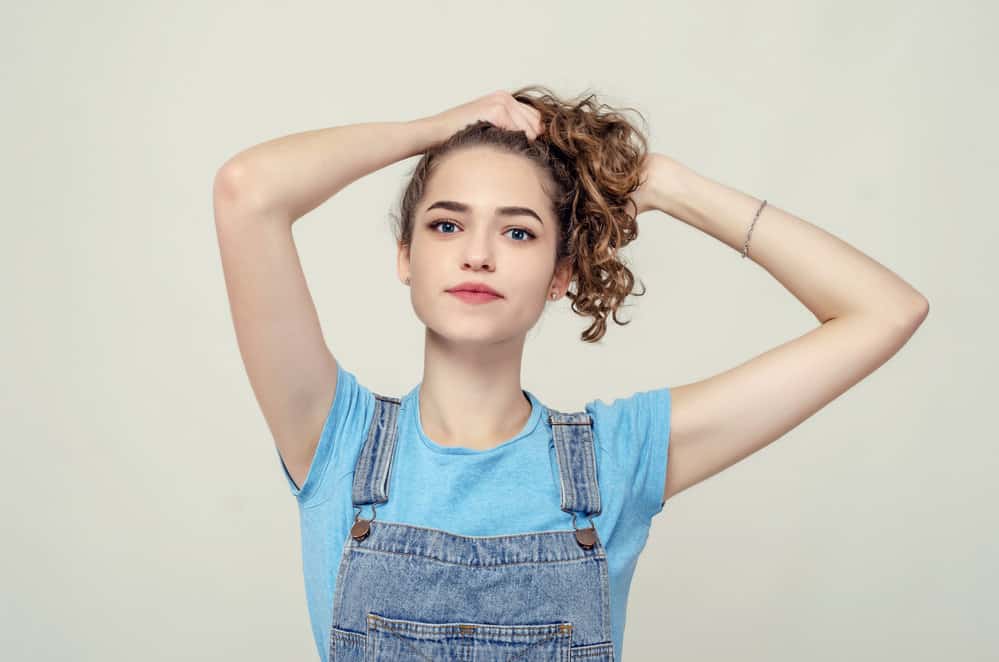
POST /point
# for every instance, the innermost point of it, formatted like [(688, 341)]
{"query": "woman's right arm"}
[(286, 178), (258, 194)]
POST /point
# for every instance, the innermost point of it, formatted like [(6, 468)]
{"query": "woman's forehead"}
[(485, 178)]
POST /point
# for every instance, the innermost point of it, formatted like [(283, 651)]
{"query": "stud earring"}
[(407, 280)]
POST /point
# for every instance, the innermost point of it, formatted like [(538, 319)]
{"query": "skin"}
[(866, 313), (473, 357), (471, 394)]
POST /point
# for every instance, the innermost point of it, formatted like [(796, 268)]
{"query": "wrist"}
[(429, 130), (670, 183)]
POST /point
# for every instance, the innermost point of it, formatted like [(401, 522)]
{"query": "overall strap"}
[(371, 473), (575, 451)]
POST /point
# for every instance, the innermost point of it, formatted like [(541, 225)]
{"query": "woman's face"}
[(475, 223)]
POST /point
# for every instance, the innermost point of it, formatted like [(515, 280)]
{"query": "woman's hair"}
[(594, 157)]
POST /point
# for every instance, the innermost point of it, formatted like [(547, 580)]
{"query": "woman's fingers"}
[(515, 120), (529, 119), (519, 118)]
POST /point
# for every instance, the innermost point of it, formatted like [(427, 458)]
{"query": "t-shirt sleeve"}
[(633, 433), (340, 441)]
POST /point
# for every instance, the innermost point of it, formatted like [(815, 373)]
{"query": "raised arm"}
[(258, 195), (866, 314)]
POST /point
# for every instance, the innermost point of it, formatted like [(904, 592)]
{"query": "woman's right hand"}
[(499, 108)]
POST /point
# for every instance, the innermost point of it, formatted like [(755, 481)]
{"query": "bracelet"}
[(745, 248)]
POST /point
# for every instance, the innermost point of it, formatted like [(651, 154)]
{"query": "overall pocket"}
[(347, 646), (401, 640), (602, 652)]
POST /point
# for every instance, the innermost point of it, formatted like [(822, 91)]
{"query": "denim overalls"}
[(407, 593)]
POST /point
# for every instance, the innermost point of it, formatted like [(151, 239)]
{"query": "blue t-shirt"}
[(482, 493)]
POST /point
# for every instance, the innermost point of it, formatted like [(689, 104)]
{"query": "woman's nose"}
[(478, 253), (478, 263)]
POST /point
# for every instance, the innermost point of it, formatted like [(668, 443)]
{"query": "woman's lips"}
[(474, 297)]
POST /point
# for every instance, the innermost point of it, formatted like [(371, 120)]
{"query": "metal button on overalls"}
[(406, 593)]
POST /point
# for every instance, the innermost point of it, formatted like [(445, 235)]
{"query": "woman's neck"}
[(472, 398)]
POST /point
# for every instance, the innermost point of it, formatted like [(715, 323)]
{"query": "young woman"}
[(465, 518)]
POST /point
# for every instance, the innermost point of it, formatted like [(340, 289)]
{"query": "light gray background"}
[(144, 512)]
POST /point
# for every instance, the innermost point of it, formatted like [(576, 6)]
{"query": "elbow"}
[(910, 318), (921, 308), (901, 320), (235, 187), (226, 185)]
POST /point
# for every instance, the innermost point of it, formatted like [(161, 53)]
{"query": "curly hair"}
[(594, 156)]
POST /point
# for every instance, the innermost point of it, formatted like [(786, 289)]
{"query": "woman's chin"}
[(476, 334)]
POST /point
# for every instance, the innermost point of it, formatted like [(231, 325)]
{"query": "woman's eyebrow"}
[(461, 207)]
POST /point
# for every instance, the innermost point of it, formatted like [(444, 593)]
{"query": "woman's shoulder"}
[(344, 426), (630, 408)]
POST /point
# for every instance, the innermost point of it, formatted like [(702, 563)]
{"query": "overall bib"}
[(406, 593)]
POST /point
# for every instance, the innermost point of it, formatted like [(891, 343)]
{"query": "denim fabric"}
[(414, 593), (486, 524)]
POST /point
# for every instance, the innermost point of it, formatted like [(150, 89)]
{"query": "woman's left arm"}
[(866, 313)]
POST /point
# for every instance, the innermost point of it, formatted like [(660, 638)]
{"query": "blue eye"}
[(437, 224), (527, 232)]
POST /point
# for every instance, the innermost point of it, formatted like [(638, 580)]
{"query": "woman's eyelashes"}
[(436, 224)]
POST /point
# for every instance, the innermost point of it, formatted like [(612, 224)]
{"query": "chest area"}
[(513, 492)]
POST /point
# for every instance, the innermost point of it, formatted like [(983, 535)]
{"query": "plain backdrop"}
[(144, 511)]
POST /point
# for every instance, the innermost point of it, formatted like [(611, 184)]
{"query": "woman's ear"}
[(562, 276), (402, 263)]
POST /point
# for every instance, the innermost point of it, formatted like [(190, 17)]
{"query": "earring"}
[(407, 280), (554, 295)]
